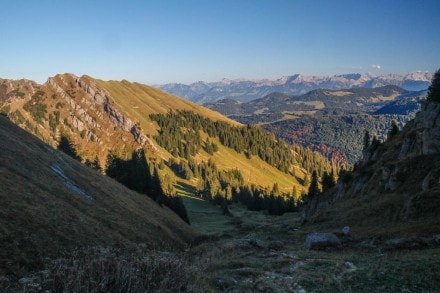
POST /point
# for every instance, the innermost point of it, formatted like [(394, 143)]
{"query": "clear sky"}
[(189, 40)]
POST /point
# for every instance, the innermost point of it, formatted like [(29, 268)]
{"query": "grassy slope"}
[(40, 216), (138, 101), (235, 265), (254, 170)]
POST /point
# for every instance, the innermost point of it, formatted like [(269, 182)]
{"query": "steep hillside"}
[(51, 204), (395, 188), (246, 90), (188, 147)]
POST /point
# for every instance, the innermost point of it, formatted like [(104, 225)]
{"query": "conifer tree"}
[(314, 188), (156, 191), (434, 88), (328, 181), (65, 145), (394, 129), (366, 139), (139, 172)]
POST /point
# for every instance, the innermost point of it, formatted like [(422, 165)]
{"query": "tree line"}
[(179, 134)]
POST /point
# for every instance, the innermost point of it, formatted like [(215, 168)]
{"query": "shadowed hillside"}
[(395, 188), (51, 203)]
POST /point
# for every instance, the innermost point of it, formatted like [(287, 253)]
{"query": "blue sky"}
[(188, 40)]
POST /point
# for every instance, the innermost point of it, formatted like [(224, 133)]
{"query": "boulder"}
[(318, 241)]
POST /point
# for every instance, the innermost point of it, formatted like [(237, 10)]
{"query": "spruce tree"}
[(139, 172), (65, 145), (328, 181), (434, 88), (314, 188), (394, 129), (156, 191), (366, 139)]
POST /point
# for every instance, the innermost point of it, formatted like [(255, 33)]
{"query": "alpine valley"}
[(116, 186)]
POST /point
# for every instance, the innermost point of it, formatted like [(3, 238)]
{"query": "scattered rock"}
[(249, 243), (24, 281), (318, 241), (243, 244), (369, 244), (256, 243), (275, 244), (436, 239), (346, 230), (407, 243)]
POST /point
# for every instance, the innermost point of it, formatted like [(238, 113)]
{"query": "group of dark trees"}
[(327, 182), (137, 174), (434, 88), (134, 172), (180, 135), (223, 187)]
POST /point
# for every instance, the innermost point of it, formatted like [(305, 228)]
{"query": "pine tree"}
[(156, 191), (139, 172), (275, 189), (314, 188), (434, 88), (394, 129), (65, 145), (366, 139), (328, 181)]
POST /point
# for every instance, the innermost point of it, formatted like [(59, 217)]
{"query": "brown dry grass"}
[(370, 210), (40, 216)]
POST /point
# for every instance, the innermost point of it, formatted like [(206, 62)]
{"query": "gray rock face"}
[(424, 139), (95, 95), (390, 177), (317, 241)]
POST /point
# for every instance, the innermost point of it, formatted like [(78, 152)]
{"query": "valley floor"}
[(245, 252)]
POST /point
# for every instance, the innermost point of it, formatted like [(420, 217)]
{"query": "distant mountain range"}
[(246, 90), (332, 122)]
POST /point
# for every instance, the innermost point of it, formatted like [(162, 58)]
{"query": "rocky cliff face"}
[(423, 137), (396, 184), (92, 94), (14, 90)]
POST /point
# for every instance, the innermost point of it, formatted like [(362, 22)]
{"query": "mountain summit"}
[(245, 90)]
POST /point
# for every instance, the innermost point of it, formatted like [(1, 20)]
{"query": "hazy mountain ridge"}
[(323, 119), (247, 90)]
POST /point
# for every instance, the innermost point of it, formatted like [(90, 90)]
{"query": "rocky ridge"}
[(101, 98), (396, 184), (246, 90)]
